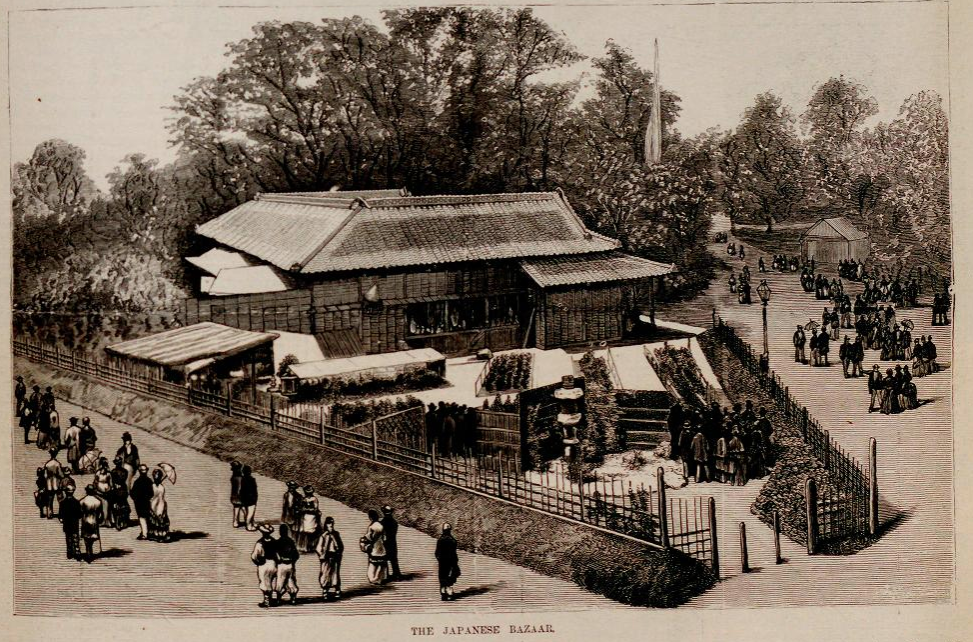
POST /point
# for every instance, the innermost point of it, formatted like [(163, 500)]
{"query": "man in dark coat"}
[(287, 555), (844, 355), (823, 347), (675, 421), (800, 340), (20, 394), (857, 357), (69, 512), (448, 559), (88, 438), (874, 388), (142, 498), (129, 452), (248, 497), (391, 527), (815, 344)]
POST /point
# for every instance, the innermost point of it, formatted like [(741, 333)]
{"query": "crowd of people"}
[(741, 287), (112, 490), (780, 263), (727, 445)]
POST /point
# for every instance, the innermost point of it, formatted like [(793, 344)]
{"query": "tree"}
[(52, 182), (761, 164)]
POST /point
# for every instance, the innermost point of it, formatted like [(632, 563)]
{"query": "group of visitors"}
[(732, 249), (721, 237), (451, 427), (940, 308), (38, 412), (903, 293), (105, 503), (779, 263), (720, 444), (741, 287), (851, 269), (892, 393)]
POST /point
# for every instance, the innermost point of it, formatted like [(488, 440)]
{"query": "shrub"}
[(509, 372), (286, 362), (635, 460)]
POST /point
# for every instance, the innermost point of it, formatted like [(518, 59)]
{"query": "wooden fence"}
[(850, 507), (642, 514)]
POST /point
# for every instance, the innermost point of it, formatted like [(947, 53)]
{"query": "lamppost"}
[(763, 291)]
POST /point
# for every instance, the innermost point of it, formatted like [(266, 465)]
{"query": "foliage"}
[(635, 460), (509, 372), (285, 363), (595, 370), (370, 386), (359, 412), (680, 373)]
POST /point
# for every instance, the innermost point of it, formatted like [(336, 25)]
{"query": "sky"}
[(102, 79)]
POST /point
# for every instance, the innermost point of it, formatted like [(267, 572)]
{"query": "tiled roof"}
[(591, 268), (839, 227), (314, 234), (191, 343), (358, 193)]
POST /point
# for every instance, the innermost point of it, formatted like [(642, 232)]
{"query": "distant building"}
[(834, 239), (389, 272)]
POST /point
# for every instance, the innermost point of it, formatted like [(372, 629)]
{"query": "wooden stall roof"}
[(184, 345), (337, 344), (334, 367), (835, 228), (318, 234), (216, 259), (255, 279), (592, 268)]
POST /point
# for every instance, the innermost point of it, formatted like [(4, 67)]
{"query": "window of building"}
[(437, 317)]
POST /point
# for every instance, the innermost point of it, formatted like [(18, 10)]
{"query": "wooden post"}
[(827, 450), (581, 491), (374, 440), (500, 474), (811, 499), (229, 398), (273, 413), (872, 486), (777, 558), (744, 557), (714, 539), (321, 426), (787, 400), (804, 423), (663, 506), (432, 462)]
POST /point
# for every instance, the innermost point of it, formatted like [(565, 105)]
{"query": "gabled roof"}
[(837, 227), (255, 279), (216, 259), (184, 345), (315, 234), (592, 268)]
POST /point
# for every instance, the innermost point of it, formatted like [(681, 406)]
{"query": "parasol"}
[(812, 325), (909, 325), (169, 471)]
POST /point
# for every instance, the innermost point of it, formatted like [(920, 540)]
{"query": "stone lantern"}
[(570, 414)]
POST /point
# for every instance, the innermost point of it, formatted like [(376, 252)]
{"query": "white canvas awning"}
[(217, 259), (351, 365), (257, 279)]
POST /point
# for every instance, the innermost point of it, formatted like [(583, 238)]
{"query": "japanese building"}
[(383, 271)]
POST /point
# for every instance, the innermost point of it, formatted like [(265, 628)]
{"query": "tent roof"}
[(256, 279), (592, 268), (837, 227), (180, 346), (216, 259)]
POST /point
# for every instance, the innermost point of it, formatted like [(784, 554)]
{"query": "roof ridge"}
[(288, 197), (459, 199)]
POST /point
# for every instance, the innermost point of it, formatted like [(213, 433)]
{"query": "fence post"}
[(714, 539), (744, 557), (229, 399), (273, 413), (663, 506), (811, 498), (321, 426), (432, 461), (581, 491), (872, 486), (804, 423), (777, 558), (500, 474), (787, 400), (374, 440), (827, 450)]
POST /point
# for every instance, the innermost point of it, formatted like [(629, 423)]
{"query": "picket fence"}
[(850, 507), (644, 514)]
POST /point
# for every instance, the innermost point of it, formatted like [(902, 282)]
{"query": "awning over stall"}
[(181, 346), (592, 268)]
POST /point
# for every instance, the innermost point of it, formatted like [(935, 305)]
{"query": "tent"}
[(834, 239)]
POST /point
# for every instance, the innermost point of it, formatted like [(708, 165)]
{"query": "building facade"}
[(454, 273)]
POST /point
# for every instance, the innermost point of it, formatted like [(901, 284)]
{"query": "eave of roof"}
[(592, 268), (184, 345)]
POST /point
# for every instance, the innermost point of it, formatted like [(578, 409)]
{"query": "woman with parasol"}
[(159, 508), (309, 521)]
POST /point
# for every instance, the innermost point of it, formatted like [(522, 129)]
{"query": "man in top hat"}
[(264, 557), (69, 512), (875, 388), (800, 340), (20, 394), (142, 491), (72, 442), (391, 527)]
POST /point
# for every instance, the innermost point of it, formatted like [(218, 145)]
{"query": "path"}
[(913, 562), (208, 572)]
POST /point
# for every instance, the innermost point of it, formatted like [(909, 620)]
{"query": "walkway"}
[(913, 562), (208, 572)]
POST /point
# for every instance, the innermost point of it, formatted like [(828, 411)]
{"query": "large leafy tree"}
[(762, 165)]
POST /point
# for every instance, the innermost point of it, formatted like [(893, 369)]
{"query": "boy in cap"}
[(287, 556), (264, 557)]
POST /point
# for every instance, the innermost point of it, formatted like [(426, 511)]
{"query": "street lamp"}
[(763, 291)]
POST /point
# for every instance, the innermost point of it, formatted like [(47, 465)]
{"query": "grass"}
[(781, 240)]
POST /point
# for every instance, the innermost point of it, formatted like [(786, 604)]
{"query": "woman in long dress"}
[(159, 509), (373, 544), (309, 524), (291, 505), (890, 394), (330, 550), (103, 488), (721, 467), (448, 559)]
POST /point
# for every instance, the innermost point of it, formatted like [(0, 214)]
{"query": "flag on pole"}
[(653, 137)]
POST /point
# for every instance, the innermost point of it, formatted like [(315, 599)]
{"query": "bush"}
[(679, 372), (329, 390), (635, 460), (509, 372), (595, 370), (286, 362)]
